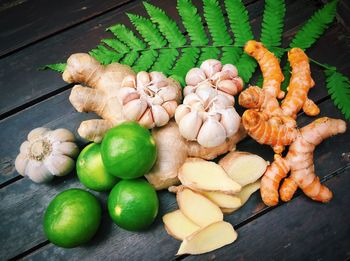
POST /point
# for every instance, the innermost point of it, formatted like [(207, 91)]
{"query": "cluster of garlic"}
[(149, 98), (47, 153), (207, 114)]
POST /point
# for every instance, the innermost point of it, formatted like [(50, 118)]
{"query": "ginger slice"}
[(201, 175), (243, 167), (243, 195), (198, 208), (207, 239), (178, 225), (223, 200)]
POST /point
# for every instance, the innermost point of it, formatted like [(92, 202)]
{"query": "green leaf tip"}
[(58, 67)]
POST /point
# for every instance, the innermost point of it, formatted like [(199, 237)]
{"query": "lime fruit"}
[(133, 204), (72, 218), (91, 171), (128, 151)]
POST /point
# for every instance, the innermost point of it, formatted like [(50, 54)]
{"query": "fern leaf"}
[(192, 22), (116, 45), (58, 67), (315, 26), (165, 60), (105, 55), (246, 67), (130, 58), (167, 26), (272, 24), (145, 61), (216, 22), (338, 86), (186, 61), (230, 55), (208, 53), (127, 36), (239, 21)]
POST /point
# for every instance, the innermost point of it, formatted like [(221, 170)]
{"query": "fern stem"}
[(322, 65)]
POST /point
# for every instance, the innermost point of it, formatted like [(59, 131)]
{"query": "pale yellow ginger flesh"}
[(178, 225), (201, 175), (198, 208), (243, 167), (209, 238), (223, 200), (243, 195)]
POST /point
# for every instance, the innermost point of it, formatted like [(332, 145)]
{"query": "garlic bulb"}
[(207, 114), (47, 153), (149, 98)]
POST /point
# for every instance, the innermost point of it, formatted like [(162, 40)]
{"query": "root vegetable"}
[(201, 175), (208, 239), (178, 225), (223, 200), (243, 167), (198, 208)]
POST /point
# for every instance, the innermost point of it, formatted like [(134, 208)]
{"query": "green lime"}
[(128, 151), (133, 204), (91, 171), (72, 218)]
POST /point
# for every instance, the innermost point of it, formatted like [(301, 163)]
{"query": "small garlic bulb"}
[(47, 153), (149, 98)]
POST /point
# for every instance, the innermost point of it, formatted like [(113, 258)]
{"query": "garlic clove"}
[(231, 69), (228, 96), (37, 133), (195, 76), (66, 148), (59, 165), (143, 79), (211, 134), (37, 172), (167, 93), (230, 120), (24, 147), (157, 100), (170, 107), (189, 89), (239, 83), (228, 86), (129, 81), (127, 94), (189, 125), (21, 163), (134, 109), (61, 135), (206, 93), (181, 111), (146, 119), (191, 98), (210, 67), (197, 106), (221, 102), (160, 115), (157, 77)]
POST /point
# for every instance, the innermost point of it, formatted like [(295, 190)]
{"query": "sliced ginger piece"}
[(178, 225), (244, 195), (201, 175), (209, 238), (198, 208), (243, 167), (223, 200)]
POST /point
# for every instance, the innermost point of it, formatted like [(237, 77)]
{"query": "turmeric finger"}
[(310, 108)]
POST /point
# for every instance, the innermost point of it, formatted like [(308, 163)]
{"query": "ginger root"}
[(101, 98)]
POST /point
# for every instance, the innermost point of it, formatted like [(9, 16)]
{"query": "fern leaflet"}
[(130, 58), (105, 55), (230, 55), (246, 67), (208, 53), (116, 45), (127, 36), (58, 67), (165, 60), (145, 61)]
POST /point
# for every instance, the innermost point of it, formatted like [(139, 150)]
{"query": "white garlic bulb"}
[(47, 153)]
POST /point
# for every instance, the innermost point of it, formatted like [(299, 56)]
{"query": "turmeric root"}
[(299, 161)]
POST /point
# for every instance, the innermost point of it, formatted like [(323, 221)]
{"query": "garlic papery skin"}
[(47, 153), (153, 101)]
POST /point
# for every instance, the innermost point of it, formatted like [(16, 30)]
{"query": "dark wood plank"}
[(114, 242), (299, 230), (34, 84), (26, 21)]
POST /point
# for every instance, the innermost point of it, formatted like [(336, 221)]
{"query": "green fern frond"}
[(338, 86), (58, 67), (147, 30), (315, 26), (127, 36), (208, 53), (239, 21), (105, 55), (116, 45), (165, 60), (216, 22), (167, 26), (230, 55), (145, 61), (246, 66), (130, 58), (287, 74), (272, 24), (192, 22), (186, 61)]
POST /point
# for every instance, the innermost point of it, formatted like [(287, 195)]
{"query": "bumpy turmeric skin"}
[(269, 66)]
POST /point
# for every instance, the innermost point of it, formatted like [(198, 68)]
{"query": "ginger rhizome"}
[(270, 123), (207, 114)]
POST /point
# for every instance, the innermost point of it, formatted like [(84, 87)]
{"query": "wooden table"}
[(34, 33)]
